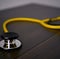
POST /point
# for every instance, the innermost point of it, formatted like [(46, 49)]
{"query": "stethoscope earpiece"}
[(10, 41)]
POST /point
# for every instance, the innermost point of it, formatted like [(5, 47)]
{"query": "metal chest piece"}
[(10, 41)]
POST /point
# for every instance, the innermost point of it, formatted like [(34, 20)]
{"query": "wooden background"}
[(38, 42)]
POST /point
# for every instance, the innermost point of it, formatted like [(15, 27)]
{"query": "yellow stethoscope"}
[(42, 22), (10, 40)]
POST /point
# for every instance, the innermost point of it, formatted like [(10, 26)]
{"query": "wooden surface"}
[(37, 42)]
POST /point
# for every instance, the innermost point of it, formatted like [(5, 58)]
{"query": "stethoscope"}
[(10, 39)]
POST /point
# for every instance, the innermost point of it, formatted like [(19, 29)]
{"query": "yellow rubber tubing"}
[(41, 22)]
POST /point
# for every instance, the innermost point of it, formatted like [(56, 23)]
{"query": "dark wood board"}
[(38, 42)]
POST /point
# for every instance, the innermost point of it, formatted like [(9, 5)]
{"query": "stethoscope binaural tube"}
[(41, 22)]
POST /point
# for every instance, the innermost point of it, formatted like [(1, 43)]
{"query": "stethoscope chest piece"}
[(10, 41)]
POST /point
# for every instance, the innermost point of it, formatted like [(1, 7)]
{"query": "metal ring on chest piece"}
[(10, 41)]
